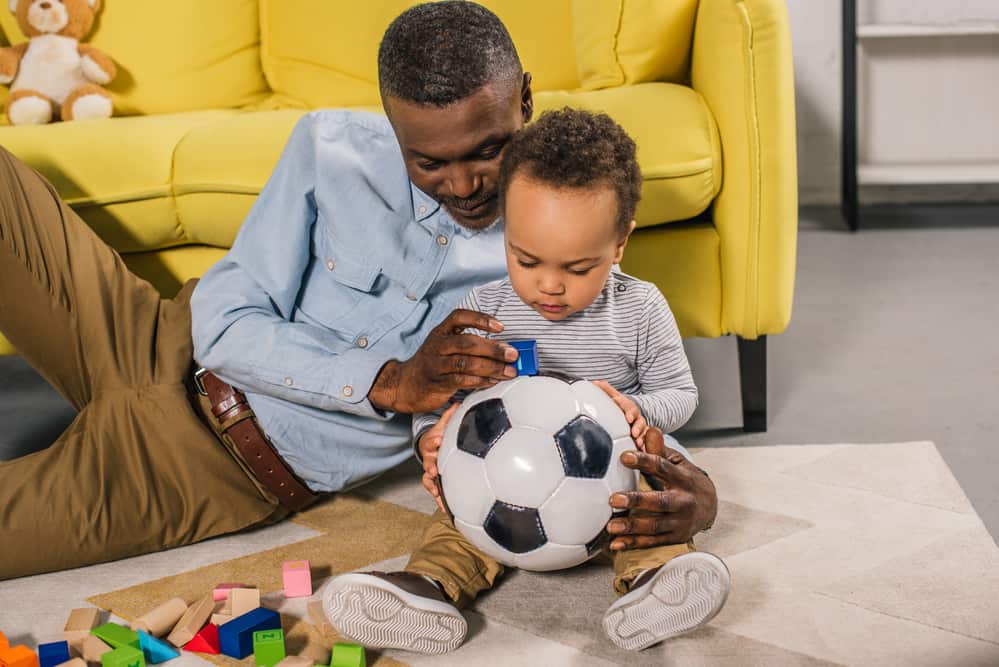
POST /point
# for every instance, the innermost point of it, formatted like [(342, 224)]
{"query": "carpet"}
[(840, 555)]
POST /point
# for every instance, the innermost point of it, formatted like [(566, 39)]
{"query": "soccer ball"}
[(527, 468)]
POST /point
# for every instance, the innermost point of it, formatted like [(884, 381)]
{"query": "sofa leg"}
[(753, 382)]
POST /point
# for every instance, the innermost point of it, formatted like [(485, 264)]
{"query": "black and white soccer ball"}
[(527, 468)]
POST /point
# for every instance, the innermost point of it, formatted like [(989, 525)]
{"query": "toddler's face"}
[(560, 244)]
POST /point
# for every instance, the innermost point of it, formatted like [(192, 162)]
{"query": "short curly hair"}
[(573, 148), (438, 53)]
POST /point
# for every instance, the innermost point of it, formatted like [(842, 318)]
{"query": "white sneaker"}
[(393, 610), (679, 596)]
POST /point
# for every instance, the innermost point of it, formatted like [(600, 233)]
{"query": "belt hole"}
[(291, 493), (280, 483), (270, 471), (259, 455)]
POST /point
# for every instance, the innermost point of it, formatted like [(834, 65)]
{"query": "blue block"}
[(53, 654), (156, 650), (527, 357), (236, 636)]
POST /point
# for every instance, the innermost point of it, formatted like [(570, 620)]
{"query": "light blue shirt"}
[(341, 265)]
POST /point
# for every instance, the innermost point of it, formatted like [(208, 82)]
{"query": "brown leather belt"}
[(236, 419)]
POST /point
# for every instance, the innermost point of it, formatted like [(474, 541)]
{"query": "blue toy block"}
[(54, 653), (236, 636), (156, 650), (527, 356)]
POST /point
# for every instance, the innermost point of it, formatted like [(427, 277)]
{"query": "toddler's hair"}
[(572, 148)]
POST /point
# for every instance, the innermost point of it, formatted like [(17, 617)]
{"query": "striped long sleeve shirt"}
[(627, 336)]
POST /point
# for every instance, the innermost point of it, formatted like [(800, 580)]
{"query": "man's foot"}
[(393, 610), (674, 598)]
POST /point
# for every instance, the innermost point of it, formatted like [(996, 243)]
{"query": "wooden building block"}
[(192, 621), (80, 623), (317, 652), (297, 579), (92, 648), (206, 641), (18, 656), (319, 619), (296, 661), (244, 600), (75, 662), (236, 636), (161, 620), (218, 620), (116, 636), (347, 655), (221, 591), (268, 647), (53, 653), (124, 656)]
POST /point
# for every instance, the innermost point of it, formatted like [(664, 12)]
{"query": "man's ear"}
[(526, 98), (619, 254)]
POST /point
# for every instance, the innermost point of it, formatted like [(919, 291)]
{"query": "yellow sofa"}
[(208, 92)]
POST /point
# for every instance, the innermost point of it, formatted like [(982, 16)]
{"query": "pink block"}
[(221, 591), (297, 579)]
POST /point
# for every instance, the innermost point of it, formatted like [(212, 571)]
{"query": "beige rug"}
[(840, 554)]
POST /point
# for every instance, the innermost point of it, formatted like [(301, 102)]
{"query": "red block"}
[(206, 641)]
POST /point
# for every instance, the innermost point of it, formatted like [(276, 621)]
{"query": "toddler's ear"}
[(624, 242)]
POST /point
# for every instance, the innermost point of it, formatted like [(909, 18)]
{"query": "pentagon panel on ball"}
[(527, 468)]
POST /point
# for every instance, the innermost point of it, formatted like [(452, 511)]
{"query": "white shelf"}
[(925, 174), (876, 30)]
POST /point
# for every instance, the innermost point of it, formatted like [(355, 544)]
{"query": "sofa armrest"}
[(742, 66)]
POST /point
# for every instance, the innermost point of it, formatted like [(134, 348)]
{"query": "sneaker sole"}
[(375, 613), (685, 594)]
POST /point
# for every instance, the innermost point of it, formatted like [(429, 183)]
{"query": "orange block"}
[(4, 644), (18, 656)]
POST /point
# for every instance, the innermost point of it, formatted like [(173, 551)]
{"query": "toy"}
[(218, 620), (318, 618), (53, 75), (155, 650), (18, 656), (527, 356), (75, 662), (124, 656), (53, 653), (162, 619), (116, 636), (193, 619), (79, 624), (4, 644), (236, 636), (528, 466), (347, 655), (221, 591), (268, 647), (297, 579), (242, 601), (92, 649), (206, 641), (296, 661)]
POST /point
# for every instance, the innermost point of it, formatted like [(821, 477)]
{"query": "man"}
[(332, 312)]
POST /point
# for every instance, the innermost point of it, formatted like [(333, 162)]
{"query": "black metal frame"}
[(850, 203), (753, 383)]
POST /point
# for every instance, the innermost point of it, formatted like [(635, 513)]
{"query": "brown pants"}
[(463, 571), (138, 470)]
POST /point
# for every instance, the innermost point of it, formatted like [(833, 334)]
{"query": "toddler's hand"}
[(430, 443), (631, 412)]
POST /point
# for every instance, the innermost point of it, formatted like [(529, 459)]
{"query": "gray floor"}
[(893, 338)]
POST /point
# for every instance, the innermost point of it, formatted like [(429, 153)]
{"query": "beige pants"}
[(447, 557), (138, 470)]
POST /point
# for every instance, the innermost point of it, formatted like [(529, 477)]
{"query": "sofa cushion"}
[(677, 138), (324, 54), (181, 55), (116, 173)]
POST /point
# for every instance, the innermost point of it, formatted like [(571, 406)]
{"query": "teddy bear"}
[(53, 75)]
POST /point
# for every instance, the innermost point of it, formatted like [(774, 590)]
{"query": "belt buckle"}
[(198, 382)]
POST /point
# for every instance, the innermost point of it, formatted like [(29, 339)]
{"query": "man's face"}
[(453, 153)]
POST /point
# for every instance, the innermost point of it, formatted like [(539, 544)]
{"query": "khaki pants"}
[(138, 470), (448, 558)]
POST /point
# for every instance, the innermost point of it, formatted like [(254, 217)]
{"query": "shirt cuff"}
[(351, 382)]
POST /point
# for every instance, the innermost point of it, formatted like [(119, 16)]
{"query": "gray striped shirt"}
[(627, 336)]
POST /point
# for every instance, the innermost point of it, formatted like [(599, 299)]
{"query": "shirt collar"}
[(425, 209)]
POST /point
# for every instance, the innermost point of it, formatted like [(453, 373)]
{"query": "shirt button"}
[(330, 265), (362, 342), (288, 382), (422, 210), (441, 240), (411, 297), (348, 391)]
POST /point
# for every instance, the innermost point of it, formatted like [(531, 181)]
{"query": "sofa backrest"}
[(179, 55)]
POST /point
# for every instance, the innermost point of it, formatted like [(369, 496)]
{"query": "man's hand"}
[(429, 445), (447, 361), (631, 412), (686, 505)]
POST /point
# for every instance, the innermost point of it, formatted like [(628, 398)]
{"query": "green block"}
[(125, 656), (347, 655), (116, 636), (268, 647)]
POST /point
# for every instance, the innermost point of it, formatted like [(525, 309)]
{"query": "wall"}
[(964, 129)]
